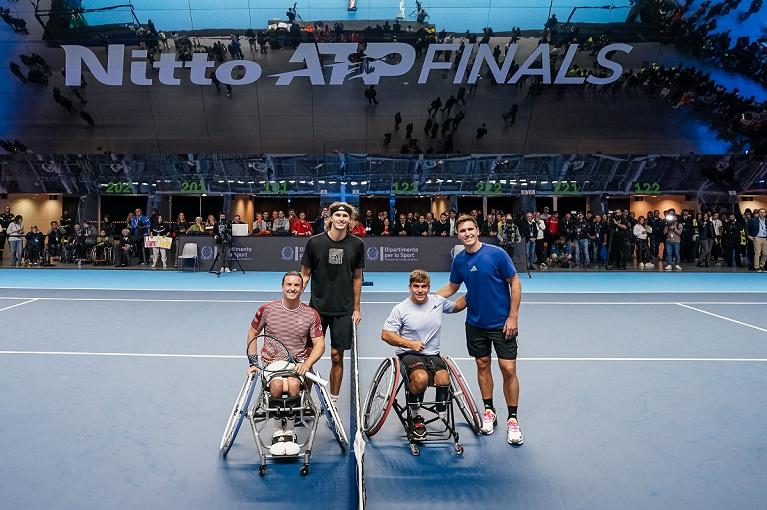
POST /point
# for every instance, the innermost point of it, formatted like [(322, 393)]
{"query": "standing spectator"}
[(6, 218), (757, 233), (301, 227), (511, 115), (599, 233), (642, 232), (619, 232), (687, 245), (397, 120), (159, 230), (434, 107), (481, 131), (319, 224), (408, 130), (402, 227), (15, 233), (673, 231), (372, 225), (529, 232), (706, 240), (139, 226), (716, 251), (732, 232), (581, 234)]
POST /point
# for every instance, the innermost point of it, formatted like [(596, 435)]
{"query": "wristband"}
[(253, 359)]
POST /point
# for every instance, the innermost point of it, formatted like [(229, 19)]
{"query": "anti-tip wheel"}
[(458, 447), (415, 449), (261, 471), (304, 470)]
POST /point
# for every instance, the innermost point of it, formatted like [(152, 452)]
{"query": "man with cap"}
[(334, 261)]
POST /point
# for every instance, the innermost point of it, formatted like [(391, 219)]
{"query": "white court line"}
[(18, 304), (273, 291), (723, 317), (569, 303), (369, 358)]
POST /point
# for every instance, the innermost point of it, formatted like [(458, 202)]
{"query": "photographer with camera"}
[(222, 234), (508, 235), (582, 234), (619, 233), (673, 231)]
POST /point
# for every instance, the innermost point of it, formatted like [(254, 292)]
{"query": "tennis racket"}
[(270, 355)]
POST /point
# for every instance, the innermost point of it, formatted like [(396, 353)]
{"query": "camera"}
[(670, 218)]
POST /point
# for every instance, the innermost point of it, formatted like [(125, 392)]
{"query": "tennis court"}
[(636, 390)]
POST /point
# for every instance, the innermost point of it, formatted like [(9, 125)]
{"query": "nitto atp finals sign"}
[(372, 68)]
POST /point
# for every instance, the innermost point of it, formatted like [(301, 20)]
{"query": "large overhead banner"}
[(380, 60)]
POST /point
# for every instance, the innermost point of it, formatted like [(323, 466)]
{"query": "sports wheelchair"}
[(391, 378), (301, 408)]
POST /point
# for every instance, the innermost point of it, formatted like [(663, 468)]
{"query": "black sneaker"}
[(418, 427)]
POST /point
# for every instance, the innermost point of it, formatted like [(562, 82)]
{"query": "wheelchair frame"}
[(305, 409), (382, 397)]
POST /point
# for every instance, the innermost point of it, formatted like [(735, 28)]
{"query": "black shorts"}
[(432, 363), (480, 342), (341, 330)]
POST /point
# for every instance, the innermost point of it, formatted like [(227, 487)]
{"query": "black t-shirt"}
[(333, 264)]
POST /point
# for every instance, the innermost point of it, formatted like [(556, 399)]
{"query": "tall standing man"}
[(334, 261), (493, 294)]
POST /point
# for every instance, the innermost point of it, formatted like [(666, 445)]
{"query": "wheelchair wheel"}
[(331, 415), (381, 395), (239, 411), (463, 396)]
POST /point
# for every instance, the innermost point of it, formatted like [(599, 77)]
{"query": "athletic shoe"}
[(668, 267), (514, 434), (678, 267), (278, 443), (291, 446), (418, 427), (641, 265), (488, 421)]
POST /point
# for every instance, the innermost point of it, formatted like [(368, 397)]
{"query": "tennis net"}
[(356, 427)]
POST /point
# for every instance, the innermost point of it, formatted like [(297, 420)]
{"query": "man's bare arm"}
[(306, 274), (448, 290), (393, 339)]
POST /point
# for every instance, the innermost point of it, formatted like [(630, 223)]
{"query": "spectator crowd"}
[(616, 240)]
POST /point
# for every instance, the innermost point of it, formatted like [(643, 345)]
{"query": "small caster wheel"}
[(415, 449), (261, 471), (458, 447), (304, 470)]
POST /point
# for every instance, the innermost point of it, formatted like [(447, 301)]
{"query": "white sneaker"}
[(641, 265), (514, 434), (278, 443), (488, 421), (291, 447), (668, 267), (678, 267)]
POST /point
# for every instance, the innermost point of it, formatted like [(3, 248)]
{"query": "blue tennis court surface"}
[(452, 15), (118, 398)]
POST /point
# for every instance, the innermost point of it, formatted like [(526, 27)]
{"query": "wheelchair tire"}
[(239, 411), (331, 415), (381, 395), (463, 396)]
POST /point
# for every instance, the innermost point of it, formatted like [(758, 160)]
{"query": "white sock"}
[(334, 398)]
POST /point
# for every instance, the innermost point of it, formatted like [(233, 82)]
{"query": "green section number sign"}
[(192, 187), (565, 187), (404, 188), (276, 187), (115, 188), (647, 188)]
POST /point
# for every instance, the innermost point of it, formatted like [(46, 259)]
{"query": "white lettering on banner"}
[(399, 254), (370, 67)]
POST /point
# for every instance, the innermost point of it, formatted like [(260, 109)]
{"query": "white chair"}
[(189, 252)]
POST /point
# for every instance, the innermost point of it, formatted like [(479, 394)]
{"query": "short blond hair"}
[(352, 215), (466, 218), (420, 276)]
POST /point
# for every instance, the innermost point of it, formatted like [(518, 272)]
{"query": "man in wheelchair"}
[(414, 327), (293, 323), (35, 245)]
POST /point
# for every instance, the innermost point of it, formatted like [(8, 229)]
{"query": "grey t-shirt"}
[(419, 322)]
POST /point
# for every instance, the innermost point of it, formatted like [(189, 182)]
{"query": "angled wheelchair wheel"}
[(239, 411), (381, 395), (331, 415), (463, 396)]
